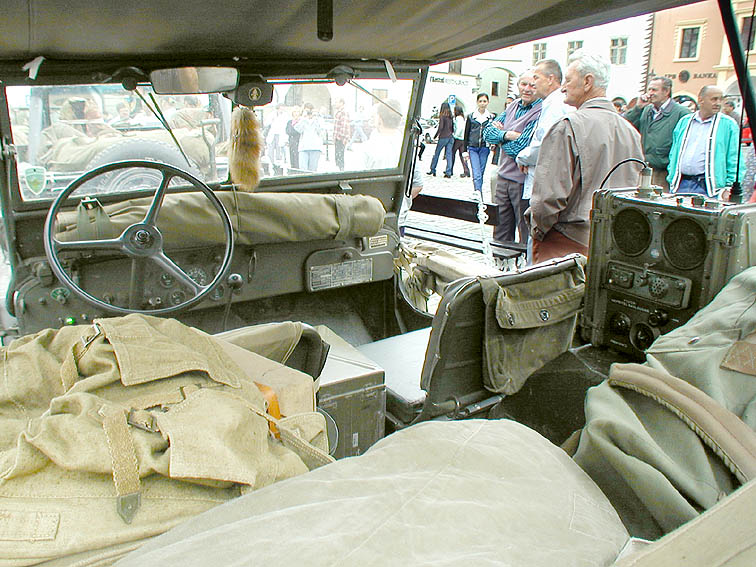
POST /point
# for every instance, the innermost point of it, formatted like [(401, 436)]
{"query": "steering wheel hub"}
[(142, 240)]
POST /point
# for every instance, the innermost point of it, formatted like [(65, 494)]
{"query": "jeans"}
[(692, 186), (308, 159), (338, 150), (478, 157), (446, 144), (457, 149)]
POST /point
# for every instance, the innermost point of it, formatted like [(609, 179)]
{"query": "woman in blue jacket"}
[(475, 144)]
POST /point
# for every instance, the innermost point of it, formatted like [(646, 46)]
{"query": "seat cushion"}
[(482, 492), (402, 358)]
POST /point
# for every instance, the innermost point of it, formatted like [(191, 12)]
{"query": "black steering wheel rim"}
[(126, 243)]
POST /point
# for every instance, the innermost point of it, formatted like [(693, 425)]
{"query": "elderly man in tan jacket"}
[(576, 154)]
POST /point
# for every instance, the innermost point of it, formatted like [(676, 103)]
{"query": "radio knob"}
[(658, 318), (620, 324)]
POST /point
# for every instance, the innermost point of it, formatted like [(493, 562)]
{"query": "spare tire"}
[(144, 149)]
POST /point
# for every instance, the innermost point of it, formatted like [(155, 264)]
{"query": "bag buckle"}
[(143, 420), (86, 341)]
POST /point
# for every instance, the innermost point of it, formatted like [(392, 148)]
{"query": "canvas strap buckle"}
[(144, 420), (87, 340)]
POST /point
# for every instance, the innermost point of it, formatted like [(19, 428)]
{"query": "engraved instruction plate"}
[(340, 274)]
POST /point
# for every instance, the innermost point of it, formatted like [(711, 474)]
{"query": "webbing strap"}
[(345, 218), (273, 408), (124, 461), (92, 222)]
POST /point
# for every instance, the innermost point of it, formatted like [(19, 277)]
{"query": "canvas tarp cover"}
[(257, 218), (657, 472), (474, 492)]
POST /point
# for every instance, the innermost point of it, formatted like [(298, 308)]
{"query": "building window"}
[(573, 46), (539, 52), (618, 50), (494, 88), (455, 67), (746, 33), (689, 40)]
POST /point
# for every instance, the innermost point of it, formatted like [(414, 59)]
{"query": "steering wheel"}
[(142, 242)]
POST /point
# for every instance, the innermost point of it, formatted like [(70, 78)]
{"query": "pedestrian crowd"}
[(560, 139)]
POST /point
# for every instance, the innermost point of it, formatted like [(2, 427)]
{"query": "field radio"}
[(655, 259)]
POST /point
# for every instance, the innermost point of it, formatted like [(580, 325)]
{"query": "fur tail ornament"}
[(246, 149)]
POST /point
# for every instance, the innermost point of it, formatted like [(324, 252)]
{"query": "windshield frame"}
[(318, 182)]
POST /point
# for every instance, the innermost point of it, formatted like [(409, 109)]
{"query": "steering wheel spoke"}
[(173, 269), (157, 201), (106, 244)]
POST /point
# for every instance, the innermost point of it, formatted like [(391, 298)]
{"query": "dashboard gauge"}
[(198, 274), (177, 297), (167, 280)]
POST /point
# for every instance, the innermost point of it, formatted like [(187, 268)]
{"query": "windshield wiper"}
[(157, 111)]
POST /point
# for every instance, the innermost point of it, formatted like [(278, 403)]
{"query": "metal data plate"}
[(339, 267), (340, 274)]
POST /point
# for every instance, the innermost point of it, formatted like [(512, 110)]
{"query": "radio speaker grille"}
[(684, 243), (631, 232)]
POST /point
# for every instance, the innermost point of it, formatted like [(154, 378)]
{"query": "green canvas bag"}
[(115, 432), (530, 319)]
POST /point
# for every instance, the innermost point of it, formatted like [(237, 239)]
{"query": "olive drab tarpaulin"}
[(114, 432), (529, 322), (439, 493), (662, 459), (257, 218)]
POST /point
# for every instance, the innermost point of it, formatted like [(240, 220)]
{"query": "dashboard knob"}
[(235, 281)]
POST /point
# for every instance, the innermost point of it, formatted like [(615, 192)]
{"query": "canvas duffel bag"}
[(114, 432)]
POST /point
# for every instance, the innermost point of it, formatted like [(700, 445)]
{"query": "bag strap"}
[(272, 406), (124, 461), (92, 222)]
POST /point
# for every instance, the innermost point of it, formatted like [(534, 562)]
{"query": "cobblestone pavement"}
[(455, 187)]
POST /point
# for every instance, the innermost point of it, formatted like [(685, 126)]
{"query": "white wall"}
[(625, 79)]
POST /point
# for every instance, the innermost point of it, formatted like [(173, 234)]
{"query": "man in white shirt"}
[(547, 77), (704, 154)]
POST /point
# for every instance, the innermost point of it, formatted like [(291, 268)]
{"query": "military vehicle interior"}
[(117, 136)]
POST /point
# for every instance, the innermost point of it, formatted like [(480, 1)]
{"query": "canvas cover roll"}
[(257, 218)]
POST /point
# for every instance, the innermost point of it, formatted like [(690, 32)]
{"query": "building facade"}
[(624, 43), (689, 46)]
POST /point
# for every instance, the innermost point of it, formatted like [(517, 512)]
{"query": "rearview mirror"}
[(194, 80)]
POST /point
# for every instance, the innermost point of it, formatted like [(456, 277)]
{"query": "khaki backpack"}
[(114, 432)]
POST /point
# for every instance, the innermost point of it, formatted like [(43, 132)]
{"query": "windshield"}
[(310, 128)]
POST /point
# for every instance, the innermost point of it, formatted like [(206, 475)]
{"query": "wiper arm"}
[(156, 110), (383, 102)]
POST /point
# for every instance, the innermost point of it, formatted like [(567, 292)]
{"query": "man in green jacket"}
[(655, 117), (704, 154)]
